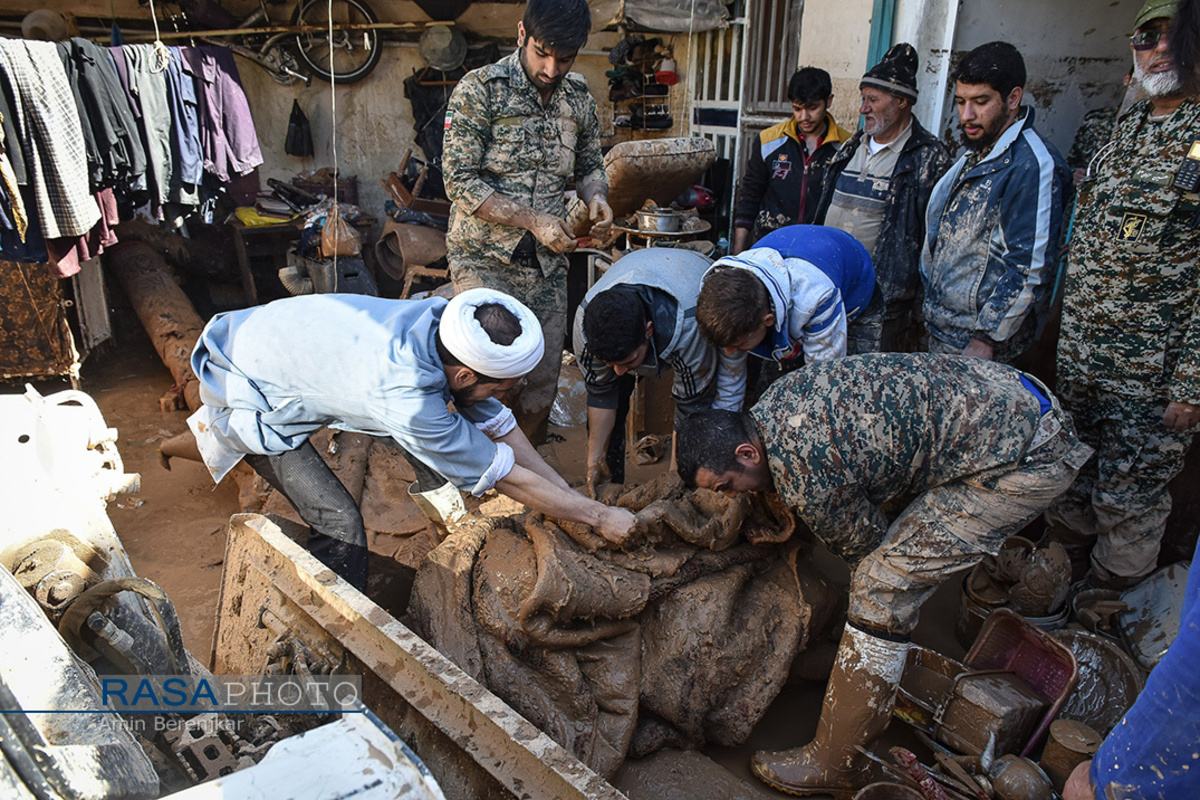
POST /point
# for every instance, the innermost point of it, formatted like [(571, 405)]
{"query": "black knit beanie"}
[(896, 73)]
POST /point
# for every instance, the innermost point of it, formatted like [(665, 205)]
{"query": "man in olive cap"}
[(878, 192), (1129, 352)]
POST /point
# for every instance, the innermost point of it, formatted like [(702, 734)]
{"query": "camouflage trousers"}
[(1120, 499), (546, 297), (863, 333), (950, 528)]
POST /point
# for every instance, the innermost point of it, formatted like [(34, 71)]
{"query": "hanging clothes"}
[(110, 131), (185, 126), (65, 256), (227, 139), (148, 87), (12, 205), (49, 130)]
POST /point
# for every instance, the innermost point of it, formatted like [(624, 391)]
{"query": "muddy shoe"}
[(799, 771)]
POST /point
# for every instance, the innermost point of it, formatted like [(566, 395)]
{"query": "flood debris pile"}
[(683, 637)]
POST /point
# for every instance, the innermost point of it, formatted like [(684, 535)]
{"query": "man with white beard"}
[(1129, 353)]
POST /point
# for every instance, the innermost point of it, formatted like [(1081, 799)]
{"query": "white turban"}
[(466, 339)]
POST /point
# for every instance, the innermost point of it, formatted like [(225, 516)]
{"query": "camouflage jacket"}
[(1130, 317), (845, 437), (500, 138), (1095, 129)]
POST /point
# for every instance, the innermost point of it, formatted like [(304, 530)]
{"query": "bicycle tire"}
[(313, 49)]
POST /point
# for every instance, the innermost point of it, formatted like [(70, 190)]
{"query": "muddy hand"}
[(616, 525), (552, 232), (597, 476), (601, 215), (1181, 416)]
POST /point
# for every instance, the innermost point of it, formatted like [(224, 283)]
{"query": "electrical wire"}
[(333, 120)]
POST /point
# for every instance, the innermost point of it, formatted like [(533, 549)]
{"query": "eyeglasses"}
[(1147, 40)]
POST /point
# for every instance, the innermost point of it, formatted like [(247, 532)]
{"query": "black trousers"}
[(614, 457), (338, 538)]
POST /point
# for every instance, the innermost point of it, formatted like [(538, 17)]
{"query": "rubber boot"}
[(1078, 546), (858, 706), (443, 505)]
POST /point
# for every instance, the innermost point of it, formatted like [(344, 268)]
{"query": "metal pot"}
[(658, 220)]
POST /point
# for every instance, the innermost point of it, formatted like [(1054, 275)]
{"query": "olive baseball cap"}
[(1155, 9)]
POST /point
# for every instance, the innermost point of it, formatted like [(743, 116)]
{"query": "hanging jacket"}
[(115, 155)]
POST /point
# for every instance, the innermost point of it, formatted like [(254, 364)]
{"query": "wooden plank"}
[(268, 574)]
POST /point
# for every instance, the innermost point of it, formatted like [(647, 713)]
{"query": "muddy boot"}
[(443, 505), (1078, 546), (857, 708)]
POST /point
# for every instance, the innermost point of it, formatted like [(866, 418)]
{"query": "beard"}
[(540, 81), (1157, 84), (991, 132), (881, 122)]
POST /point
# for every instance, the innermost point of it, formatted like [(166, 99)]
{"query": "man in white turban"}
[(272, 375)]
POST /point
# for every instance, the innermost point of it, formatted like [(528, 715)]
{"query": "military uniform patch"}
[(1131, 227)]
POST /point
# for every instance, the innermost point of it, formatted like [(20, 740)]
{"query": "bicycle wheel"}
[(354, 53)]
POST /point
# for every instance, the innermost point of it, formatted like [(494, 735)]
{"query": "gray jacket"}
[(704, 376)]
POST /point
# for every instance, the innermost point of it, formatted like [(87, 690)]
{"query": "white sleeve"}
[(502, 464), (498, 425), (731, 381)]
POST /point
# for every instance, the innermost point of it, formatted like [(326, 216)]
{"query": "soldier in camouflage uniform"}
[(517, 132), (1094, 131), (984, 448), (1129, 352)]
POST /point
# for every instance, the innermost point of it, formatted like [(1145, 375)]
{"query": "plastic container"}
[(1008, 642)]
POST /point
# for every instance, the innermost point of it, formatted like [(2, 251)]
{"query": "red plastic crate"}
[(1007, 642)]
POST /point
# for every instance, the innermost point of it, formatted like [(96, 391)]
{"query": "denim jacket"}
[(991, 253)]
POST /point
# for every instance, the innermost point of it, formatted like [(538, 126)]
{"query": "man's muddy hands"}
[(601, 215), (553, 232), (597, 476), (616, 524)]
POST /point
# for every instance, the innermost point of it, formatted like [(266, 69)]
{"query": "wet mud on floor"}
[(174, 528)]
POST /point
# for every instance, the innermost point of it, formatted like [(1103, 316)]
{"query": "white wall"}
[(834, 35), (1076, 54)]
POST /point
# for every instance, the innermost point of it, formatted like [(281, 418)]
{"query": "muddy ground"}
[(174, 533)]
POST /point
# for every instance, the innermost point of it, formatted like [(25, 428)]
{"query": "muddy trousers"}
[(950, 528), (1120, 501), (338, 538)]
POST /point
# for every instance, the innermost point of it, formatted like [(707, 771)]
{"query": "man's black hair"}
[(501, 326), (709, 438), (997, 64), (809, 85), (561, 26), (614, 324)]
